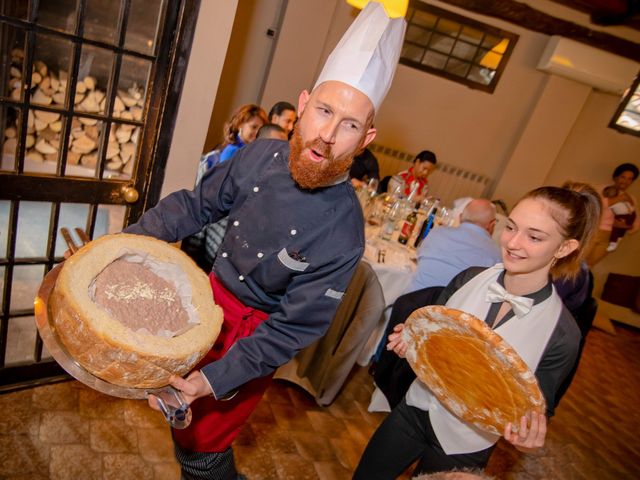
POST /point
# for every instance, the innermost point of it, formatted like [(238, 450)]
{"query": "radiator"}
[(448, 182)]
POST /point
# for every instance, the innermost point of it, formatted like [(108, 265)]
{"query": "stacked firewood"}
[(44, 127)]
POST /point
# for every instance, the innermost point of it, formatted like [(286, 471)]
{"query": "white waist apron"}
[(528, 335)]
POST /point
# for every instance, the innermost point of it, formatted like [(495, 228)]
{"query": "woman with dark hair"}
[(543, 240), (241, 129), (618, 214), (284, 115)]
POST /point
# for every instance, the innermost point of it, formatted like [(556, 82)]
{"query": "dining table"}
[(394, 265)]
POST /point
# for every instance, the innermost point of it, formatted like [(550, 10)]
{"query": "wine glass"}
[(372, 186), (395, 185), (443, 216), (426, 205)]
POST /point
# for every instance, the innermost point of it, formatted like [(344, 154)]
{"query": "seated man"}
[(423, 165), (273, 131), (447, 251)]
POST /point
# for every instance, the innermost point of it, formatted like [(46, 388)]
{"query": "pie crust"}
[(470, 369), (106, 347)]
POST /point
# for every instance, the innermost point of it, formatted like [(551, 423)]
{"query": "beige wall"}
[(200, 87), (590, 155), (591, 151), (298, 54), (547, 127), (246, 63), (247, 76), (467, 128)]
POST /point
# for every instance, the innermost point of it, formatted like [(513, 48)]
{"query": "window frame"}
[(487, 30), (634, 89)]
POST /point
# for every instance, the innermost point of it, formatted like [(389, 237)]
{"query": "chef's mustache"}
[(321, 147)]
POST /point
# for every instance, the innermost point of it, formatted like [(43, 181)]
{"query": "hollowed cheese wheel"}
[(470, 369), (106, 347)]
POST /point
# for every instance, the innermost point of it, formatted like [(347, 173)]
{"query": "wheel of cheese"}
[(470, 369), (133, 310)]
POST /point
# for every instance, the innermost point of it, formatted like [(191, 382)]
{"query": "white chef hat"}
[(367, 55)]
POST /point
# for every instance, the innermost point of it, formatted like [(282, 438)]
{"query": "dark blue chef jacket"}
[(287, 251)]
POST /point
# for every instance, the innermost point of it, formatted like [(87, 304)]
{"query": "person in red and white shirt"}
[(423, 165)]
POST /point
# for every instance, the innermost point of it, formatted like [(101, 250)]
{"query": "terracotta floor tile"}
[(273, 439), (593, 436), (312, 446), (327, 425), (292, 418), (331, 471), (294, 467), (255, 463)]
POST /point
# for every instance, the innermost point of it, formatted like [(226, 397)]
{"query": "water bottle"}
[(391, 219)]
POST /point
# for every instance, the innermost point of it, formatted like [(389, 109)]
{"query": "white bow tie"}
[(520, 305)]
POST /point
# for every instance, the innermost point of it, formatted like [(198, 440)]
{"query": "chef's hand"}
[(192, 387), (528, 439), (396, 343)]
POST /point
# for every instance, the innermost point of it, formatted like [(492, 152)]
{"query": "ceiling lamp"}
[(394, 8)]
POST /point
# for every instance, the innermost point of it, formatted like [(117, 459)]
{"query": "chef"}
[(295, 236)]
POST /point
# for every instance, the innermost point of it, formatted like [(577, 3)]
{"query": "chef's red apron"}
[(215, 424)]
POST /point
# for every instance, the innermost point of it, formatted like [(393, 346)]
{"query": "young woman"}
[(619, 214), (242, 129), (544, 238)]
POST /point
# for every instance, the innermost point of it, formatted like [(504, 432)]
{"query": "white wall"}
[(213, 28)]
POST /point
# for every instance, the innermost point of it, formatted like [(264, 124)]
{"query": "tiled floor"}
[(66, 431)]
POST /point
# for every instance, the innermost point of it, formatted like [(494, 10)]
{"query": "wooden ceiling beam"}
[(537, 21)]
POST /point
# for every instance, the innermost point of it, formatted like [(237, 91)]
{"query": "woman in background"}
[(618, 213), (241, 129)]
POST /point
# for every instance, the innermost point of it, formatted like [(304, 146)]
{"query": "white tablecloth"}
[(394, 270)]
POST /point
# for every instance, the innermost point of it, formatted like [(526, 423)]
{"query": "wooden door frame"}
[(166, 87)]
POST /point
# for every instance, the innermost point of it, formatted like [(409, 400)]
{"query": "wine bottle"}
[(407, 227), (427, 225)]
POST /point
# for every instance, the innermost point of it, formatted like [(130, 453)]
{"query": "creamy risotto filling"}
[(140, 299)]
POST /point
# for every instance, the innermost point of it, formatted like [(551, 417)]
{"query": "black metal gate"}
[(88, 99)]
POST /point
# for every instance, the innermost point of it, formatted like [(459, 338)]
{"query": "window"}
[(74, 88), (627, 116), (460, 49)]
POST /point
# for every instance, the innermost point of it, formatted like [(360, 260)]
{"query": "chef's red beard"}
[(309, 174)]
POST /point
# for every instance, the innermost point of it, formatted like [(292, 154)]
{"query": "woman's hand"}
[(192, 388), (396, 343), (528, 439)]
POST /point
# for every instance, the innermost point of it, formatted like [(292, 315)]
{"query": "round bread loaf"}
[(470, 369), (107, 346)]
